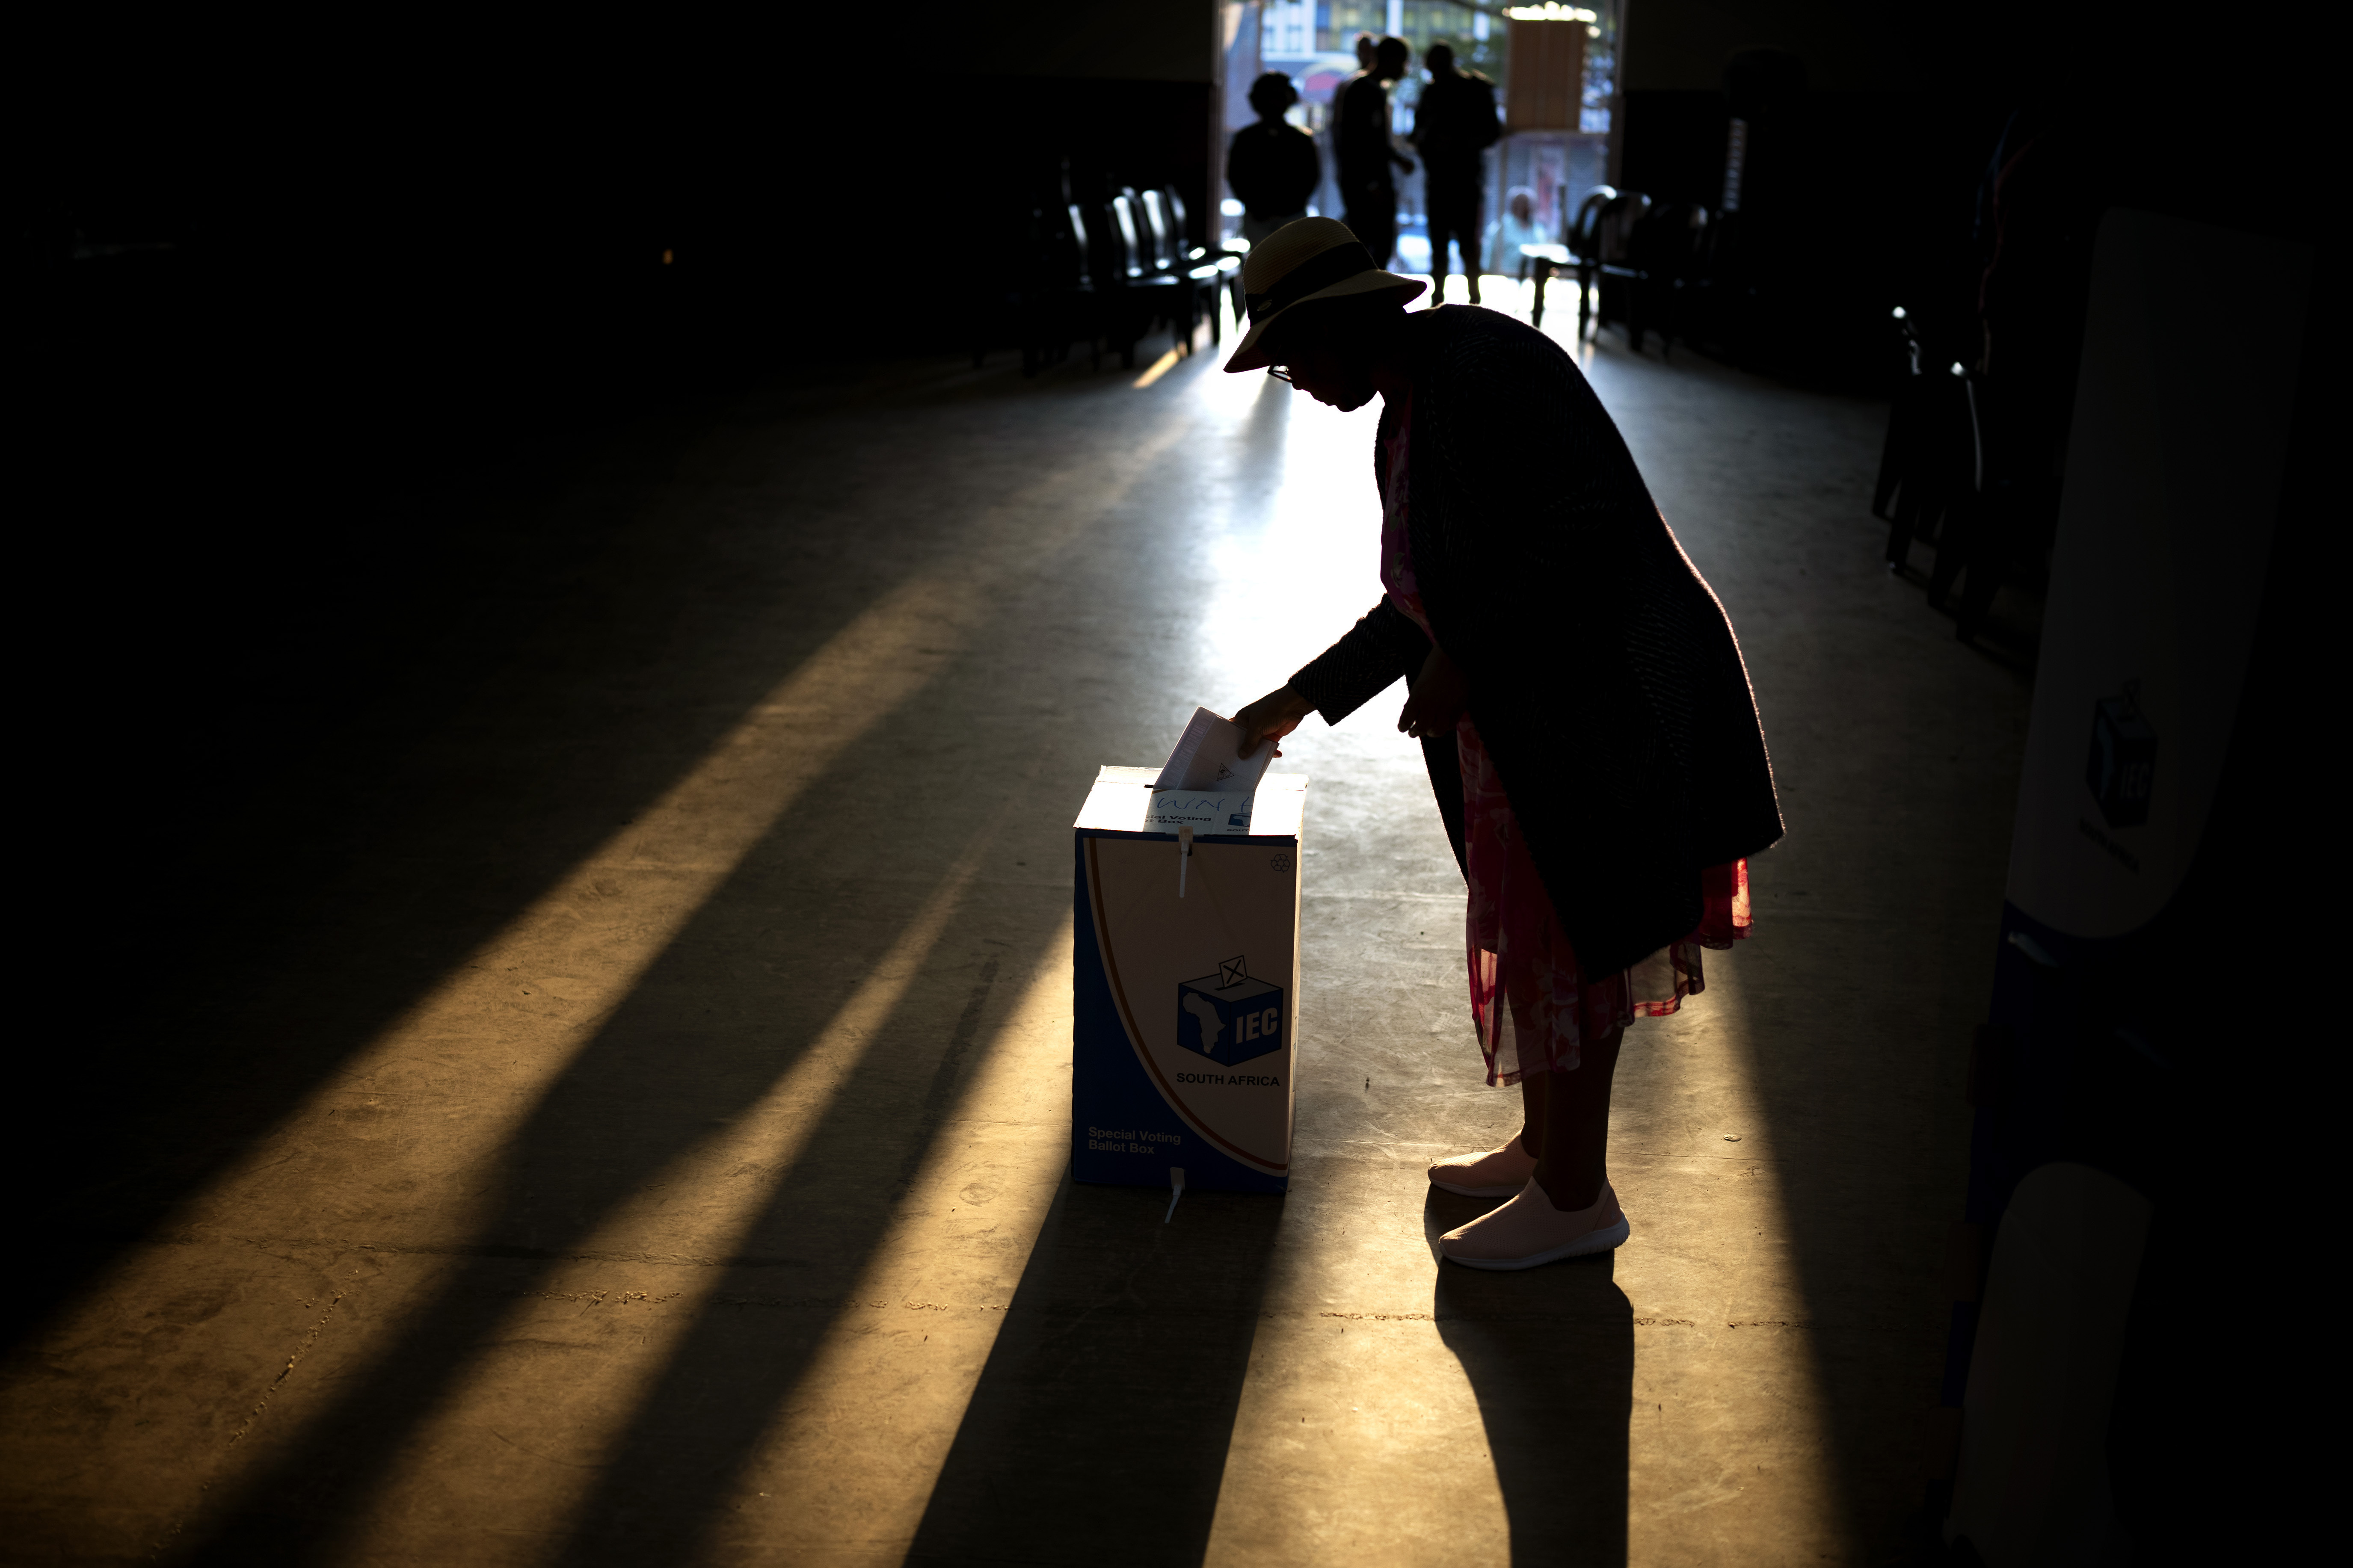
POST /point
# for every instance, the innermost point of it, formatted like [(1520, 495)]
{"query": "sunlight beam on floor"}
[(702, 1206), (1731, 1437), (403, 1148), (1159, 368), (859, 1445)]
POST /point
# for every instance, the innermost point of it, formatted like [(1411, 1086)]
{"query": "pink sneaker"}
[(1529, 1231), (1498, 1173)]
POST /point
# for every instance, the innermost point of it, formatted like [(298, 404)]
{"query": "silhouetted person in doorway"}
[(1272, 166), (1367, 154), (1453, 127)]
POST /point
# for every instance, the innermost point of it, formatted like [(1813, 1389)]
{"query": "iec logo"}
[(2123, 764), (1228, 1016)]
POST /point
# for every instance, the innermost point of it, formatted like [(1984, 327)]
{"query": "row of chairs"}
[(1636, 261), (1947, 479), (1111, 273), (1114, 271)]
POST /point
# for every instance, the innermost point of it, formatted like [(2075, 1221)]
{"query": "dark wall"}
[(1853, 203), (1106, 134), (1873, 127), (1134, 40), (268, 288), (1848, 45), (1123, 95), (413, 237)]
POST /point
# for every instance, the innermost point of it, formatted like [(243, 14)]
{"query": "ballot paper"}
[(1208, 760)]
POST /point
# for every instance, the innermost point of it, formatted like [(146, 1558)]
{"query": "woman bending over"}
[(1576, 690)]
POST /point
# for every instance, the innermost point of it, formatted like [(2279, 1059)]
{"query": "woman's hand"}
[(1270, 718), (1439, 694)]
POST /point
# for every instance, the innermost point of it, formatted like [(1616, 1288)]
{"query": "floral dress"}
[(1534, 1008)]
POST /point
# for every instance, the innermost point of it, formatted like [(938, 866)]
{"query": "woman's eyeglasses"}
[(1280, 372)]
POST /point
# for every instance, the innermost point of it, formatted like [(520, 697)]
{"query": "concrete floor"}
[(627, 1121)]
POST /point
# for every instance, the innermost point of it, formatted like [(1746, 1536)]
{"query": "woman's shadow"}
[(1550, 1355)]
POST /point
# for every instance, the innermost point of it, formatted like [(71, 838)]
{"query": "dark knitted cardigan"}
[(1604, 678)]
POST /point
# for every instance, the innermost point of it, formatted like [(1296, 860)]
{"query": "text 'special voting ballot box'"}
[(1186, 987)]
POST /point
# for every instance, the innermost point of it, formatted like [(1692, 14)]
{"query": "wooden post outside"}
[(1547, 82)]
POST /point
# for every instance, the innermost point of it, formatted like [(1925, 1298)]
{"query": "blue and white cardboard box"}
[(1186, 989)]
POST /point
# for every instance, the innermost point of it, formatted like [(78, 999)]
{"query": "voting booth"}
[(1187, 983)]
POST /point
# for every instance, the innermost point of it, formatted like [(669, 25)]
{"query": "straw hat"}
[(1315, 259)]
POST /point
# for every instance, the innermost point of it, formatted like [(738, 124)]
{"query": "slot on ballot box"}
[(1185, 982)]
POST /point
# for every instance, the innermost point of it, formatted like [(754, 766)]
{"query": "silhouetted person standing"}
[(1367, 154), (1367, 54), (1516, 227), (1453, 126), (1272, 166)]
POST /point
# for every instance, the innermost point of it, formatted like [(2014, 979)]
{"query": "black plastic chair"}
[(1540, 262), (1895, 451), (1054, 298), (1163, 232), (1135, 299), (1664, 254), (1582, 238), (1636, 257), (1580, 250), (1227, 263), (1065, 302), (1948, 479), (1929, 461), (2010, 511)]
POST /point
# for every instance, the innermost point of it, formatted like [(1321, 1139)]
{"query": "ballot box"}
[(1185, 1027)]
